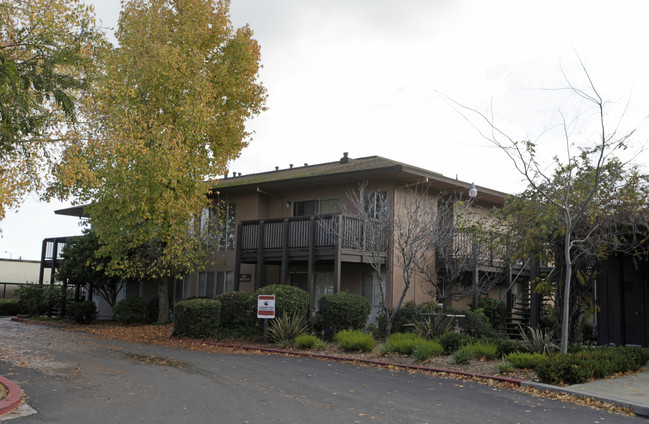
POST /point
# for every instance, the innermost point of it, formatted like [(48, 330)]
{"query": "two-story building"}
[(275, 227)]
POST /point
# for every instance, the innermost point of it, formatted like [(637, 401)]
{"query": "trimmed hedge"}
[(289, 300), (132, 310), (525, 360), (344, 311), (598, 362), (82, 312), (235, 310), (197, 318), (11, 307)]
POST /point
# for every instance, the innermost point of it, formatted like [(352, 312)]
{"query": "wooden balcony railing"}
[(299, 232)]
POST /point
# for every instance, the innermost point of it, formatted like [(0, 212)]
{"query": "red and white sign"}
[(266, 306)]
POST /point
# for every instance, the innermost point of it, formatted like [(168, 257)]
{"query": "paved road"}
[(76, 378)]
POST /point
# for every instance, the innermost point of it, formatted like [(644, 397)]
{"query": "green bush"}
[(433, 326), (235, 309), (82, 312), (482, 349), (503, 367), (10, 307), (599, 362), (197, 318), (610, 360), (452, 342), (494, 311), (132, 310), (284, 329), (477, 325), (505, 346), (404, 342), (566, 369), (289, 300), (427, 349), (525, 360), (536, 340), (306, 341), (355, 340), (408, 313), (37, 299), (462, 356), (344, 311)]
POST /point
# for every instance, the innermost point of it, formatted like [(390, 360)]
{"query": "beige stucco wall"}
[(15, 271)]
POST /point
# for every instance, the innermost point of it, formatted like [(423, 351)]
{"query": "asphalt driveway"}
[(71, 377)]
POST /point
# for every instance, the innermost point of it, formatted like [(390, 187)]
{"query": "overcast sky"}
[(364, 77)]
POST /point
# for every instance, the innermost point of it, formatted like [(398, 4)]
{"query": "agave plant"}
[(538, 341), (286, 328), (429, 328)]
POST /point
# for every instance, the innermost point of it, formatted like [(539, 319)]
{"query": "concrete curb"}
[(13, 399), (639, 410)]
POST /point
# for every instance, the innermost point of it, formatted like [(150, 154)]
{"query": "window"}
[(376, 204), (221, 221), (224, 282), (206, 284), (315, 207)]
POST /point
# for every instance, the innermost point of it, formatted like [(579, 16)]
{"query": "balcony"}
[(328, 237)]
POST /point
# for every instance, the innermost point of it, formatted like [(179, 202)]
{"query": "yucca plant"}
[(538, 341), (434, 326), (286, 328)]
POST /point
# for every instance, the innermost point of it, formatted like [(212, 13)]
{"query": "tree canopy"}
[(48, 57), (167, 116), (82, 265)]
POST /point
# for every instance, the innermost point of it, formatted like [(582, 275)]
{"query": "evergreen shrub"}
[(197, 318), (236, 314), (452, 342), (568, 369), (37, 299), (481, 349), (306, 341), (404, 342), (289, 300), (477, 324), (425, 350), (10, 307), (355, 340), (82, 312), (525, 360), (344, 311), (132, 310)]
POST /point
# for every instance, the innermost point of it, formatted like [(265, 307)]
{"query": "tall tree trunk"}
[(565, 320), (163, 299)]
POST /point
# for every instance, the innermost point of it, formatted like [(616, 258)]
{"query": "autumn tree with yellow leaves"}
[(164, 120), (49, 53)]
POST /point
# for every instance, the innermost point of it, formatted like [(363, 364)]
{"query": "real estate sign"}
[(266, 306)]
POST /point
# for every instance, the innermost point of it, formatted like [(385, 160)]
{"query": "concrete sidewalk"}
[(628, 391)]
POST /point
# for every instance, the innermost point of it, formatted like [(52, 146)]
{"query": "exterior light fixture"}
[(288, 205), (473, 192)]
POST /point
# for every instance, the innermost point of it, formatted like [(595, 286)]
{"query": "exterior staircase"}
[(518, 316)]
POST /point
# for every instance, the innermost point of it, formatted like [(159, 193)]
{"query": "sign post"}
[(266, 310)]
